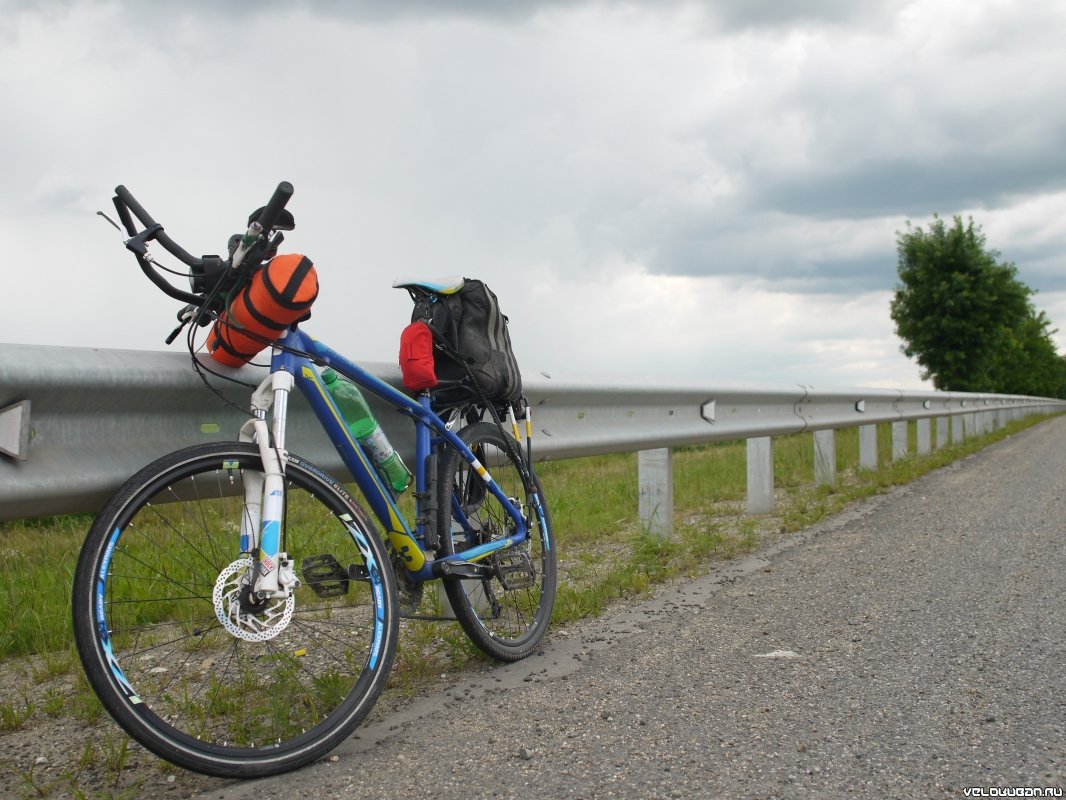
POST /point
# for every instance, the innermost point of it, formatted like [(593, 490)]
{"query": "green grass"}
[(37, 556), (14, 712), (605, 555), (594, 504)]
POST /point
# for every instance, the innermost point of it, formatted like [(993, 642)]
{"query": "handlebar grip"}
[(124, 216), (131, 203), (277, 203)]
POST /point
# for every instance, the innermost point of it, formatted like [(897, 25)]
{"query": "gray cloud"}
[(914, 186), (364, 11), (774, 14), (729, 15), (757, 156)]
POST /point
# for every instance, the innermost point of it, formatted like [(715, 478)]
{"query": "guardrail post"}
[(925, 445), (969, 424), (868, 446), (655, 480), (899, 440), (943, 427), (825, 458), (760, 475)]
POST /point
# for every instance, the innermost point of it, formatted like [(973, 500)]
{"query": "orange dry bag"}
[(277, 296)]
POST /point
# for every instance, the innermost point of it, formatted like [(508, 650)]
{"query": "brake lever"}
[(139, 244), (189, 314), (185, 316), (105, 216)]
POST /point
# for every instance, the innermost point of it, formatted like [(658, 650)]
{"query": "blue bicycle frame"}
[(431, 431)]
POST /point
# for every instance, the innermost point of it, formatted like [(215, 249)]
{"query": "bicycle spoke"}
[(505, 615), (176, 664)]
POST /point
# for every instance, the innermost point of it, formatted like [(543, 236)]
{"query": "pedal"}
[(325, 576), (514, 570)]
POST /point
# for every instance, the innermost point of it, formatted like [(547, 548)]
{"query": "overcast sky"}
[(690, 192)]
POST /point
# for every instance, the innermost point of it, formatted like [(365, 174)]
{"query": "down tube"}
[(355, 458), (378, 387)]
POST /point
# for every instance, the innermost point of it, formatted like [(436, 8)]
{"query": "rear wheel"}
[(507, 614), (183, 657)]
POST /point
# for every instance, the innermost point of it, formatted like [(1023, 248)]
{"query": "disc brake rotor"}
[(253, 623)]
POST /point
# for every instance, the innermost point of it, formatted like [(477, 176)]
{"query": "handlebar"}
[(128, 200), (125, 203), (269, 218)]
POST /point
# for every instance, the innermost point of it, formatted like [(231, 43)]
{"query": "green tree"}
[(967, 319), (1029, 363)]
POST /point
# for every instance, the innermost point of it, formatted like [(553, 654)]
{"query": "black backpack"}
[(472, 354)]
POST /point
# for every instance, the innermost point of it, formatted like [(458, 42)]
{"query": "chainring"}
[(408, 591)]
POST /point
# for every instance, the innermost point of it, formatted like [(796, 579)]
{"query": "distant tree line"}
[(967, 319)]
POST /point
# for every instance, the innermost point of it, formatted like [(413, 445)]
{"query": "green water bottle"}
[(365, 428)]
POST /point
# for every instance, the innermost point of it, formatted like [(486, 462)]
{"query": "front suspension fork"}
[(264, 492)]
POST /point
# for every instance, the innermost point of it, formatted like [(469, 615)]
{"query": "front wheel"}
[(187, 661), (507, 614)]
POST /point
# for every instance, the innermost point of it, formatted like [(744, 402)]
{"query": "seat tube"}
[(425, 480), (422, 449)]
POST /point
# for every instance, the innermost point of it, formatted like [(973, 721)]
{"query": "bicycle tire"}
[(155, 587), (506, 623)]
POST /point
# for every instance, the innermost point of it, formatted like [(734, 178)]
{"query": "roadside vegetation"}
[(968, 319), (605, 557)]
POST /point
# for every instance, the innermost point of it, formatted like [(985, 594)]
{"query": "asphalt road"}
[(912, 647)]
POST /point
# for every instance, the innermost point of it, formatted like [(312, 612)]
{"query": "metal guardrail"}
[(76, 422)]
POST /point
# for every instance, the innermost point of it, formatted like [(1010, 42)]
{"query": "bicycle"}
[(236, 609)]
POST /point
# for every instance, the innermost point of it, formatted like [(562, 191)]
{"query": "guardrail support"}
[(925, 444), (958, 432), (943, 427), (655, 480), (825, 458), (899, 440), (868, 446), (760, 475)]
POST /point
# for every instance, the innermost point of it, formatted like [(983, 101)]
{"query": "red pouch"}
[(416, 357)]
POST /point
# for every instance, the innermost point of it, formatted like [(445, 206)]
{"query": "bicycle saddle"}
[(449, 284)]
